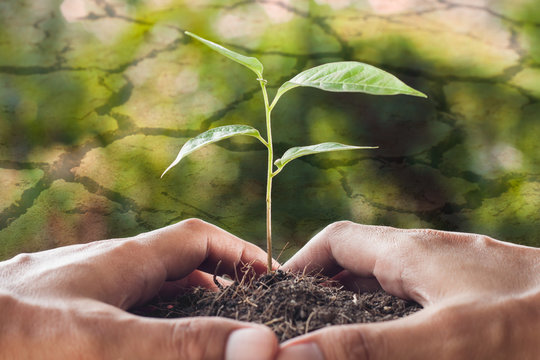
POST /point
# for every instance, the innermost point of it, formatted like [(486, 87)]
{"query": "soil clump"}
[(291, 305)]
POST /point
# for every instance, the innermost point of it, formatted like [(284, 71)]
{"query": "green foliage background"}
[(97, 96)]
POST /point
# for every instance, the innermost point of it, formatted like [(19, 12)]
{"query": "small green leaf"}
[(212, 136), (250, 62), (349, 76), (297, 152)]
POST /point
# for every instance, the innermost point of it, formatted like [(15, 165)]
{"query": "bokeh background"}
[(97, 97)]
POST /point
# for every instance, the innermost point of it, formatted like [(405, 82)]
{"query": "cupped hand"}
[(481, 296), (68, 303)]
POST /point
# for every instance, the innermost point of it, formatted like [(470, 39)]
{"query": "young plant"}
[(345, 76)]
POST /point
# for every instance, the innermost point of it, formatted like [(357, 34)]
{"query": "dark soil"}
[(291, 305)]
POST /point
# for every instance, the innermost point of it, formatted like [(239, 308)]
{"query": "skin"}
[(68, 303), (481, 297)]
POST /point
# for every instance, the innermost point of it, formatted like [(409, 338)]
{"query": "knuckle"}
[(188, 340), (444, 241), (339, 227), (193, 224), (23, 259), (482, 240)]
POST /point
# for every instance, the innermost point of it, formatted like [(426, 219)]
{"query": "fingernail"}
[(307, 351), (251, 343)]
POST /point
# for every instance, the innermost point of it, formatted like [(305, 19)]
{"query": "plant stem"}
[(269, 175)]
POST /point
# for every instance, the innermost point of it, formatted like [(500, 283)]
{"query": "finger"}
[(128, 272), (196, 338), (198, 244), (108, 333), (364, 251), (341, 245), (429, 334), (374, 341), (416, 263)]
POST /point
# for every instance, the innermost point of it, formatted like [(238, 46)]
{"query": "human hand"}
[(481, 296), (67, 303)]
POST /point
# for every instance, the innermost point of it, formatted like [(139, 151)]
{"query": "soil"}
[(291, 305)]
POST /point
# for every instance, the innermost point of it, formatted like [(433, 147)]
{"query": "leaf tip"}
[(419, 94), (167, 170)]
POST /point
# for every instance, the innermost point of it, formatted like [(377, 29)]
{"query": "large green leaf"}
[(250, 62), (349, 76), (297, 152), (212, 136)]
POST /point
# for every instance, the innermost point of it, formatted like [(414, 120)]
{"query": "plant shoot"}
[(345, 76)]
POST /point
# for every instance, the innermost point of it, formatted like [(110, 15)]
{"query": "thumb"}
[(194, 338), (408, 339), (458, 331)]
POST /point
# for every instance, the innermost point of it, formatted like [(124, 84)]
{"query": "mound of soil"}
[(291, 305)]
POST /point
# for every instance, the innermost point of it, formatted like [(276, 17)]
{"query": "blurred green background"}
[(97, 96)]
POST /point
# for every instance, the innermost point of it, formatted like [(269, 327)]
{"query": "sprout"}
[(345, 76)]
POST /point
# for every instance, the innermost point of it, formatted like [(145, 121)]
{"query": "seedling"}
[(345, 76)]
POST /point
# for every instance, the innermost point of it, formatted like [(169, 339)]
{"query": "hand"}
[(481, 297), (67, 303)]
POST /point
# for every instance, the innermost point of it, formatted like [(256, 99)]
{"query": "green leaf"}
[(250, 62), (212, 136), (349, 76), (297, 152)]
